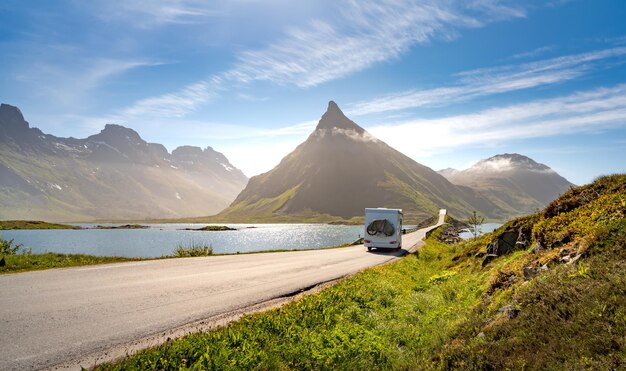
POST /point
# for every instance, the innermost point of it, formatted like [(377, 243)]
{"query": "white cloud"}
[(488, 81), (588, 111), (175, 104), (494, 165)]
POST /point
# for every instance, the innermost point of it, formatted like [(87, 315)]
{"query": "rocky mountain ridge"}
[(112, 174)]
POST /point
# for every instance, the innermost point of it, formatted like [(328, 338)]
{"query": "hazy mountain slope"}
[(113, 174), (514, 182), (341, 169)]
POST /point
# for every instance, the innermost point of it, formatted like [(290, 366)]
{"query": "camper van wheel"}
[(369, 248), (398, 248)]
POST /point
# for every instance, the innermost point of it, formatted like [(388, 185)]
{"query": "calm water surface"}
[(484, 228), (162, 239)]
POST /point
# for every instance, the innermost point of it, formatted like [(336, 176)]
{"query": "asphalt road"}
[(52, 317)]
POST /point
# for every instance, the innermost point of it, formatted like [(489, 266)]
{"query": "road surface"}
[(64, 316)]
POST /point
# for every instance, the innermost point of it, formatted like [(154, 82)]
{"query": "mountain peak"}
[(509, 161), (11, 117), (334, 118), (116, 134), (114, 129)]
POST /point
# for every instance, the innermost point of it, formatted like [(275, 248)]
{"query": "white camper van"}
[(383, 228)]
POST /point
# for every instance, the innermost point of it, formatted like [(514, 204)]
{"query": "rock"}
[(488, 259), (563, 252), (569, 259), (537, 248), (530, 272), (481, 335), (449, 235), (509, 310), (504, 244), (522, 240), (480, 254)]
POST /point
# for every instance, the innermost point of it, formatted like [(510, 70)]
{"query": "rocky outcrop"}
[(504, 244), (516, 235), (449, 234)]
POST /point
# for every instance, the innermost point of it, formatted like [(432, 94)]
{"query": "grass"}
[(33, 224), (31, 262), (442, 309)]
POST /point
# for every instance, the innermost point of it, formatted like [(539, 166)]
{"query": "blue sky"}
[(446, 82)]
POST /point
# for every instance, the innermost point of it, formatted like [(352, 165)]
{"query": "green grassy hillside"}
[(555, 300)]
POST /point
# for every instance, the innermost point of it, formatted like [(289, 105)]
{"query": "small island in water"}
[(125, 226), (33, 224), (211, 228)]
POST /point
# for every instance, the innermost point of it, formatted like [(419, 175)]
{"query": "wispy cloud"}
[(533, 53), (366, 33), (151, 13), (488, 81), (588, 111), (70, 86), (175, 104), (371, 32)]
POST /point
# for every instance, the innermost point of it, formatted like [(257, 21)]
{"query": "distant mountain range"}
[(114, 174), (335, 174), (515, 183), (340, 170)]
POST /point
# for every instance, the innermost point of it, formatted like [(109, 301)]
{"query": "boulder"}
[(504, 244)]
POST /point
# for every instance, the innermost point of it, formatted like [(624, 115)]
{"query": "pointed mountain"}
[(514, 182), (340, 170), (114, 174)]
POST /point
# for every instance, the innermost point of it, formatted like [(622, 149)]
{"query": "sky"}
[(445, 82)]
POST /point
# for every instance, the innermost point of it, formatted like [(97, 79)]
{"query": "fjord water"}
[(484, 228), (162, 239)]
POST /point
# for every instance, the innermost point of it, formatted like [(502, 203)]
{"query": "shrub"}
[(194, 249), (8, 247)]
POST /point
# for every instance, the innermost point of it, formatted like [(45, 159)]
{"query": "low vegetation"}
[(554, 300), (33, 224), (15, 258), (192, 250)]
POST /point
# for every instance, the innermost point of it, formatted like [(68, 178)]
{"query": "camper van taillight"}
[(367, 241), (393, 242)]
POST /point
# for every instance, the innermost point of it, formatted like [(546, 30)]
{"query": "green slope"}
[(447, 308)]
